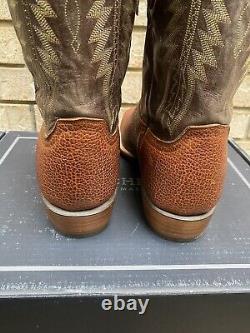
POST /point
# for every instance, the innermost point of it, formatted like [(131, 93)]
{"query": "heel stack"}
[(80, 224), (175, 227)]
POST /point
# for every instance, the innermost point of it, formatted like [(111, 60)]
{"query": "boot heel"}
[(80, 224), (174, 227)]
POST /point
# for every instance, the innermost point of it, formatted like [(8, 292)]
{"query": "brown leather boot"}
[(77, 52), (195, 57)]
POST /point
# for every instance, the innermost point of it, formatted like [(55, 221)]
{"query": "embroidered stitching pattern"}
[(116, 42), (73, 21), (102, 54), (42, 11), (241, 32), (177, 8), (23, 26), (122, 35), (192, 65)]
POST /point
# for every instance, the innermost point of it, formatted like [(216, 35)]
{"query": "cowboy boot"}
[(195, 57), (77, 52)]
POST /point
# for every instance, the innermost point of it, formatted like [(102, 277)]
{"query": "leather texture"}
[(77, 52), (195, 57), (185, 177), (78, 165)]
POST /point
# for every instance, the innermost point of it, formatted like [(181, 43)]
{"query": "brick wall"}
[(17, 109)]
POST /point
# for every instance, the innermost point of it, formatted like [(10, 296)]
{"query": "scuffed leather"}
[(78, 165), (77, 52), (195, 56), (186, 176)]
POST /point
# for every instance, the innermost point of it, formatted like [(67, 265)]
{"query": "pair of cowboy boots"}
[(196, 53)]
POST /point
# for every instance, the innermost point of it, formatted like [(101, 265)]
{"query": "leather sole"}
[(80, 224), (175, 227)]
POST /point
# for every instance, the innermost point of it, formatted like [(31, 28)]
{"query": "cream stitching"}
[(102, 54), (73, 21), (116, 41), (241, 32), (191, 66), (42, 11)]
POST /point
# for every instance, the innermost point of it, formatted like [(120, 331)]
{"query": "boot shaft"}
[(77, 52), (195, 58)]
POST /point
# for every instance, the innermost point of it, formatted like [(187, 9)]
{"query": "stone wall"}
[(17, 108)]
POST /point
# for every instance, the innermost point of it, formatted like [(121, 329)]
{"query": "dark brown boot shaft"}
[(195, 57), (77, 52)]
